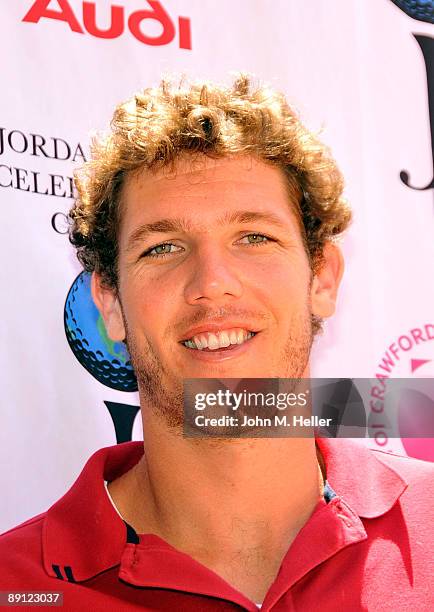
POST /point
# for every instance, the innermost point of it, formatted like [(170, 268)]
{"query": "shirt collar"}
[(82, 530), (359, 476)]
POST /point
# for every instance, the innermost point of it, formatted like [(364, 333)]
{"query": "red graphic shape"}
[(184, 33), (156, 13), (40, 9), (416, 363)]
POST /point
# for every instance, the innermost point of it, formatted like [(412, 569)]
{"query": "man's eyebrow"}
[(161, 226), (181, 225), (246, 216)]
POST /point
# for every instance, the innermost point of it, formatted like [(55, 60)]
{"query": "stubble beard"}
[(162, 392)]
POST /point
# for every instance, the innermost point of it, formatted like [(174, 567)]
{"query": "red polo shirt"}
[(369, 548)]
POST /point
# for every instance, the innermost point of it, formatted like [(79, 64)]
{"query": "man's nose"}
[(214, 277)]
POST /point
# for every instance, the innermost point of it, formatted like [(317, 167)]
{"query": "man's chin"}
[(161, 382), (226, 370)]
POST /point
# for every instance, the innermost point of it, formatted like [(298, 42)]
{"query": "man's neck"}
[(230, 504)]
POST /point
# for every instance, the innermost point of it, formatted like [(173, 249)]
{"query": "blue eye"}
[(161, 250), (255, 239)]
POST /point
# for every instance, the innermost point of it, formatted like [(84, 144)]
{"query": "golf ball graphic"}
[(107, 361), (422, 10)]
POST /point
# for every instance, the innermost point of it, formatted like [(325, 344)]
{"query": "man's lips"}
[(212, 341), (216, 328), (221, 353)]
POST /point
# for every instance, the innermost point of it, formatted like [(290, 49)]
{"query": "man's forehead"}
[(191, 172)]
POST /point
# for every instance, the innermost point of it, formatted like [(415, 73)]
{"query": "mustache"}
[(217, 315)]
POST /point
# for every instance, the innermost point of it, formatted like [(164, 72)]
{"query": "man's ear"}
[(107, 302), (326, 281)]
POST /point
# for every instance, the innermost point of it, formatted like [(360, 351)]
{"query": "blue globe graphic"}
[(422, 10), (109, 362)]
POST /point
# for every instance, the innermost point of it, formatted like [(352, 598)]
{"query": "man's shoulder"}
[(412, 469), (31, 553), (373, 482), (20, 554), (419, 478), (29, 529), (354, 454)]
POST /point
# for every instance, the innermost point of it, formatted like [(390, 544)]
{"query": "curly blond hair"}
[(155, 127)]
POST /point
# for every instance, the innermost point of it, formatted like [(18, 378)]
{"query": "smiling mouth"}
[(226, 339)]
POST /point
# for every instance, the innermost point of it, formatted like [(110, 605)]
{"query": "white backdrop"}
[(353, 68)]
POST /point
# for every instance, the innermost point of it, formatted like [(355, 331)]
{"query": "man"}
[(207, 219)]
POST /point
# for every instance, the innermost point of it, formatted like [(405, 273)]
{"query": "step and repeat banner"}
[(360, 73)]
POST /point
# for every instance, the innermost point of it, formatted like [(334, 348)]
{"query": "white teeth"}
[(213, 342), (218, 340), (203, 341), (224, 339)]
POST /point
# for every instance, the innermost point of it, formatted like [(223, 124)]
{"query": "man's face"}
[(209, 255)]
